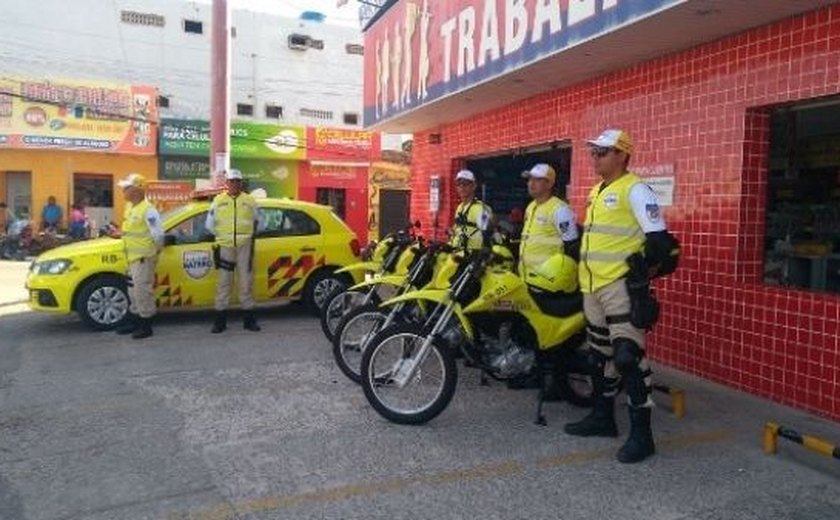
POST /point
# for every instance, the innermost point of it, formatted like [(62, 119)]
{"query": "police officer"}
[(142, 237), (233, 218), (471, 228), (623, 221), (550, 226)]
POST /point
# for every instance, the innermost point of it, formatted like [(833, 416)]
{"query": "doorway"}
[(19, 194), (393, 210)]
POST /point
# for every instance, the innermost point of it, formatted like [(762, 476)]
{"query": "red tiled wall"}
[(702, 110)]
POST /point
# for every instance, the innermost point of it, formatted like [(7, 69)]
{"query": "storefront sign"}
[(85, 116), (660, 178), (341, 144), (423, 50), (168, 194), (249, 140), (434, 194)]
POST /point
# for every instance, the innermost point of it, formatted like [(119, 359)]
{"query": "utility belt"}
[(644, 307), (230, 265)]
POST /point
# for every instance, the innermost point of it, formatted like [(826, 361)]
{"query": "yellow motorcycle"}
[(505, 326), (362, 323), (385, 265)]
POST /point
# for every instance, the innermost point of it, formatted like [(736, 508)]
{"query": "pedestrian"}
[(6, 217), (550, 225), (625, 241), (471, 227), (51, 216), (233, 218), (78, 222), (142, 238)]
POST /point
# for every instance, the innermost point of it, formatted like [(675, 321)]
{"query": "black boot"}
[(599, 423), (220, 323), (129, 325), (249, 322), (143, 330), (639, 445)]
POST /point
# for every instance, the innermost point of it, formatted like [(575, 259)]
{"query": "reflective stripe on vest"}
[(137, 239), (540, 237), (234, 218), (611, 234), (471, 212)]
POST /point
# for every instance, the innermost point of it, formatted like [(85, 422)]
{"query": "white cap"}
[(465, 175), (233, 174), (133, 180), (540, 171)]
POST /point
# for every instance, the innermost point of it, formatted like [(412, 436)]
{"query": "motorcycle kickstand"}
[(483, 381), (540, 421)]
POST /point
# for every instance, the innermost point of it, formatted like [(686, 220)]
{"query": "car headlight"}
[(51, 266)]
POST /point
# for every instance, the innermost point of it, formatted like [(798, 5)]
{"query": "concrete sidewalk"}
[(12, 280)]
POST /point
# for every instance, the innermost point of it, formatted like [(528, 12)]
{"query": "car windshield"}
[(174, 214)]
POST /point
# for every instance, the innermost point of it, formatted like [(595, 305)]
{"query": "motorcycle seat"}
[(558, 304)]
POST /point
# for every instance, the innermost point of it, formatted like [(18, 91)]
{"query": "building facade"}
[(735, 112)]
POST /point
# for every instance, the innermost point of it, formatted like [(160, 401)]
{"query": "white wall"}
[(85, 39)]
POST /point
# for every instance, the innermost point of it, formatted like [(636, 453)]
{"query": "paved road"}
[(264, 426)]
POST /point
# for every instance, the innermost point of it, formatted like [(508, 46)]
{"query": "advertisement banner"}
[(166, 195), (423, 50), (248, 140), (339, 144), (88, 116)]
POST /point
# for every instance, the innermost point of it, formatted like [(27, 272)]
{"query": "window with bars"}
[(244, 109), (147, 19), (351, 118), (355, 48), (163, 101), (316, 114), (193, 26), (273, 111)]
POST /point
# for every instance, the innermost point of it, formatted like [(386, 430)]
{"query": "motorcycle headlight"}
[(52, 266)]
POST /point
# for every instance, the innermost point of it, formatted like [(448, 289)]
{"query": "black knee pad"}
[(595, 360), (628, 354)]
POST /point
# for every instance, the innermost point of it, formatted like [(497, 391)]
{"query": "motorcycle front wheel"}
[(356, 329), (338, 304), (426, 394)]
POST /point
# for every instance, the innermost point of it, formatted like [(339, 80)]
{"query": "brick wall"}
[(705, 111)]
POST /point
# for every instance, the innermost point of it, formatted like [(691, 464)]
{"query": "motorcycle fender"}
[(360, 266), (394, 280), (435, 296)]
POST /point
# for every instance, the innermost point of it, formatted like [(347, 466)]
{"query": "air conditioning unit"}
[(298, 42)]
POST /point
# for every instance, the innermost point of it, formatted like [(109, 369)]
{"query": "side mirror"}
[(169, 240)]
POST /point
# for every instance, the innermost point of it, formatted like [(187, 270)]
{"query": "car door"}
[(288, 246), (185, 276)]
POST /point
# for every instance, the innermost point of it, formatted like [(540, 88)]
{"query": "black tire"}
[(319, 286), (372, 383), (337, 306), (103, 302), (347, 356)]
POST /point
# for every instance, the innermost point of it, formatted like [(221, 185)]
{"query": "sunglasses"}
[(599, 151)]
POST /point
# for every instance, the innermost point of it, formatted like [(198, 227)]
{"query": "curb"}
[(9, 304)]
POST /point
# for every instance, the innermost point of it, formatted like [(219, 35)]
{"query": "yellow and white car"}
[(298, 248)]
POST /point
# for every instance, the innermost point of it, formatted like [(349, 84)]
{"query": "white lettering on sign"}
[(580, 10), (516, 25), (546, 11), (466, 52), (446, 31), (489, 33)]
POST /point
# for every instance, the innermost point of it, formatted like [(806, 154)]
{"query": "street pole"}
[(220, 92)]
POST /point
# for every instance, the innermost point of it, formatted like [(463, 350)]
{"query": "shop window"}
[(281, 222), (193, 26), (244, 109), (163, 101), (190, 230), (333, 197), (273, 111), (351, 118), (802, 237), (355, 48)]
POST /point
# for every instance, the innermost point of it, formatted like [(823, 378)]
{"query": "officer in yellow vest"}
[(142, 237), (471, 226), (550, 225), (233, 218), (623, 222)]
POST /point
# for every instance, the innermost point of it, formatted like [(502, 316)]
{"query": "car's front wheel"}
[(103, 302), (319, 287)]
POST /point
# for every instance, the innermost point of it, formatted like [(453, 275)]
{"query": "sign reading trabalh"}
[(423, 50), (86, 116)]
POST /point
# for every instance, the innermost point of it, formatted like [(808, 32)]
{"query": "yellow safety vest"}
[(469, 213), (540, 240), (136, 236), (611, 233), (234, 218)]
